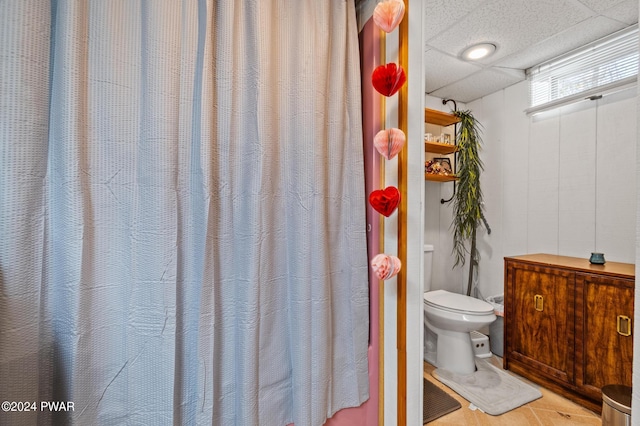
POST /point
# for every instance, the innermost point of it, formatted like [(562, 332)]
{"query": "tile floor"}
[(551, 409)]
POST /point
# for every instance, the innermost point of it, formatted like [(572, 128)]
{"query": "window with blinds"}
[(601, 66)]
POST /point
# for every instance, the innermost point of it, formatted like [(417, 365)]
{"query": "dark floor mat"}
[(436, 402)]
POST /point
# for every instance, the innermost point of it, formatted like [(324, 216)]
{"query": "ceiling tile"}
[(441, 70), (562, 42), (477, 85), (626, 11), (600, 6), (441, 15), (512, 24)]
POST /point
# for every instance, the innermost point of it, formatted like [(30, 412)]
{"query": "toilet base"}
[(430, 346), (431, 357), (455, 352), (449, 350)]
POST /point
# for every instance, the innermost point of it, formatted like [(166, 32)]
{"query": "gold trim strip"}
[(403, 105), (383, 113)]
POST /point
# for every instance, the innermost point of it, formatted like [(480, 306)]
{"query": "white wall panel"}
[(443, 276), (490, 272), (515, 207), (577, 171), (615, 184), (543, 167)]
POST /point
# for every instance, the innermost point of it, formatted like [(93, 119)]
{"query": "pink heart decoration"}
[(389, 142), (385, 201), (388, 14), (388, 79), (385, 266)]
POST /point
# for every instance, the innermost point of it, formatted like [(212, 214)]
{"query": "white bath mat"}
[(490, 388)]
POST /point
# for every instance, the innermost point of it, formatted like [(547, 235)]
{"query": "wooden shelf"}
[(440, 148), (443, 119), (440, 178), (439, 118)]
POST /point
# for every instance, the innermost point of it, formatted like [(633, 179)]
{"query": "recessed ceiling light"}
[(478, 51)]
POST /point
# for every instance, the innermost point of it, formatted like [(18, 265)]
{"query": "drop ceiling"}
[(526, 33)]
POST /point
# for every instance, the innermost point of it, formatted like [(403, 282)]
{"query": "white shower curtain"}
[(182, 212)]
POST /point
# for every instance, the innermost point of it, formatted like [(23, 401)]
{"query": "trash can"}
[(616, 405), (496, 329)]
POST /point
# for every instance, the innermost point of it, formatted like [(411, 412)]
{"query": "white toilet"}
[(449, 318)]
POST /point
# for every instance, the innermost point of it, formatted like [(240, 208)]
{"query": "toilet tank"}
[(428, 264)]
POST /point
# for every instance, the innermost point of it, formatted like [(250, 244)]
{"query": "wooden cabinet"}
[(440, 119), (568, 324)]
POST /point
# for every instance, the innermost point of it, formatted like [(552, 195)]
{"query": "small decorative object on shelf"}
[(597, 258), (438, 166)]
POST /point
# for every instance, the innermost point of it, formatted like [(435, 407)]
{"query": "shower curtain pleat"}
[(182, 212)]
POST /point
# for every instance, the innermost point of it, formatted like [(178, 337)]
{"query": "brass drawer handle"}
[(538, 302), (623, 325)]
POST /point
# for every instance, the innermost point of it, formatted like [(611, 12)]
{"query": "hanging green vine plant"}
[(467, 204)]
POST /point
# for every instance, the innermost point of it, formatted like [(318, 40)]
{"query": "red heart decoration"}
[(388, 79), (385, 201)]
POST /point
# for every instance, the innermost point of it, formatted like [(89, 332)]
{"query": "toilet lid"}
[(454, 302)]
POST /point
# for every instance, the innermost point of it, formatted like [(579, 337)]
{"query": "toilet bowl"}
[(449, 318)]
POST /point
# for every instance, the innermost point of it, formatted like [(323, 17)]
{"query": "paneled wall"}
[(561, 182)]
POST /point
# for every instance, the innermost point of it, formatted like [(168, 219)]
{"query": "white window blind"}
[(598, 67)]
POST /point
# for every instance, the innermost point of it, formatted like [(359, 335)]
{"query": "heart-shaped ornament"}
[(388, 79), (388, 14), (385, 201), (385, 266), (389, 142)]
